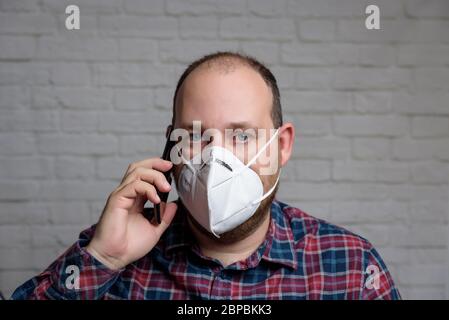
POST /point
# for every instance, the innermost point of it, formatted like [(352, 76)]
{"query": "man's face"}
[(226, 104)]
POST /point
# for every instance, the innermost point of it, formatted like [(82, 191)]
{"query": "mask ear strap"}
[(269, 191), (262, 149)]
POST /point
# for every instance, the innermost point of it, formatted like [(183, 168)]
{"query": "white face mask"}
[(221, 192)]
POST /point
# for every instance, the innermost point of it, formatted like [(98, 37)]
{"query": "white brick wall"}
[(371, 110)]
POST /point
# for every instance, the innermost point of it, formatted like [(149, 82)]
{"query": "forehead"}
[(218, 98)]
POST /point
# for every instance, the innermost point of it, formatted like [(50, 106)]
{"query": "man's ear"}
[(167, 132), (286, 141)]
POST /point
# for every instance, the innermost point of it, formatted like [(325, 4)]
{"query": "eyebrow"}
[(241, 125), (230, 125)]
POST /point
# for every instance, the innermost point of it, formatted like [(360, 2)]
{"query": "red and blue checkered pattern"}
[(301, 258)]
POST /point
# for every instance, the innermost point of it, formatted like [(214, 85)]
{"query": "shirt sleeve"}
[(76, 274), (378, 283)]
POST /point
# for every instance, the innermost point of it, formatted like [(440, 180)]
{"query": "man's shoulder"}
[(327, 235)]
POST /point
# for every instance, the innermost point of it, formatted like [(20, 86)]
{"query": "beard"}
[(249, 226)]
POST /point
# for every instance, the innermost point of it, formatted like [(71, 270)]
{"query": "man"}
[(226, 238)]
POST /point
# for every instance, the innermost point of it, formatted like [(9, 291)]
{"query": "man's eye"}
[(195, 137), (241, 137)]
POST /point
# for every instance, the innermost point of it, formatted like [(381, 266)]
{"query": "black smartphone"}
[(166, 156)]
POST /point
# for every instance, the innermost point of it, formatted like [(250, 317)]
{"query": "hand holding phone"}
[(124, 232)]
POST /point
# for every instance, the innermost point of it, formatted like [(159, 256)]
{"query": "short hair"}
[(227, 60)]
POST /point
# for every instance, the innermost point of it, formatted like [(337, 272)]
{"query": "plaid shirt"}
[(301, 258)]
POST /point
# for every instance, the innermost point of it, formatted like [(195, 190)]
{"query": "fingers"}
[(143, 178), (151, 176), (152, 163), (135, 188)]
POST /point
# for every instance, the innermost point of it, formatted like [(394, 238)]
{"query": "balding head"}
[(226, 62)]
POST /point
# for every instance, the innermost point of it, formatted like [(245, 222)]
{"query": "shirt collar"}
[(278, 246), (280, 241)]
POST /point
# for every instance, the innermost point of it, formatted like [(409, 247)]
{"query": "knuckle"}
[(114, 194), (159, 176), (152, 175), (131, 166), (136, 182), (133, 174), (139, 171), (150, 191)]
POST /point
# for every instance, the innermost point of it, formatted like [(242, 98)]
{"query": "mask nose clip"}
[(202, 166), (224, 164)]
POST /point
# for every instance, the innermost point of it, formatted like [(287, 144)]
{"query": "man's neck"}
[(230, 253)]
